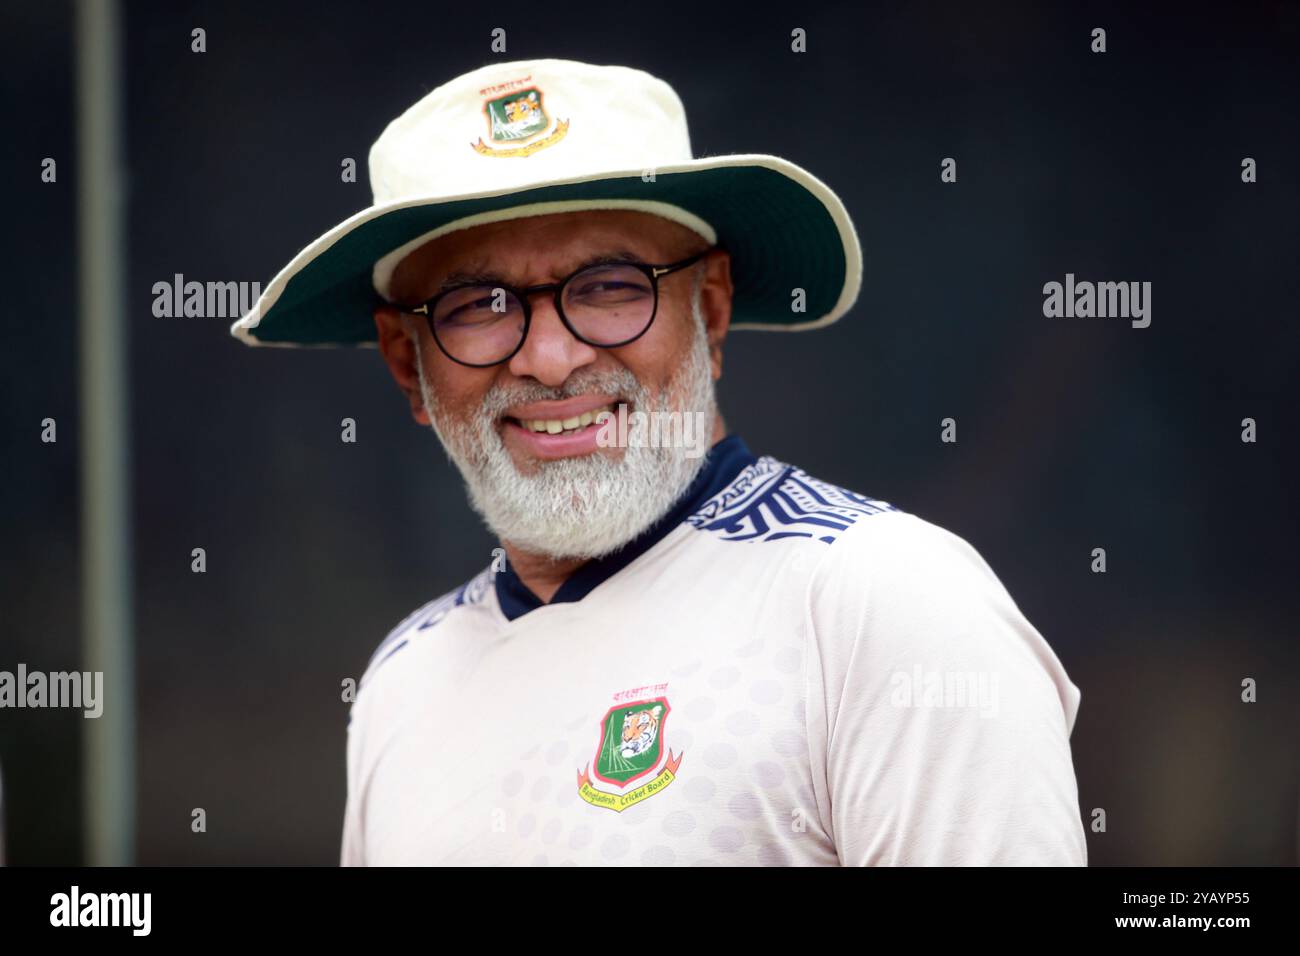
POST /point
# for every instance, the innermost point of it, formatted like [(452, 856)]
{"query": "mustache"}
[(620, 382)]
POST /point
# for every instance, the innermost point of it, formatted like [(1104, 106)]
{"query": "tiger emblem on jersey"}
[(640, 729), (632, 748)]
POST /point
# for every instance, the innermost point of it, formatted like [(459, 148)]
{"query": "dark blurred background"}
[(1073, 433)]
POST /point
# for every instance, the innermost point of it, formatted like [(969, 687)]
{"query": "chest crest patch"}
[(632, 746)]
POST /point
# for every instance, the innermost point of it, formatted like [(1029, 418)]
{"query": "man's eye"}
[(474, 306), (482, 301), (611, 289), (478, 311)]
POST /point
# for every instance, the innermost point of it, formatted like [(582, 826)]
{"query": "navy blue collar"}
[(725, 461)]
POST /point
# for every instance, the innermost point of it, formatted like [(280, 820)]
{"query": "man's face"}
[(562, 494)]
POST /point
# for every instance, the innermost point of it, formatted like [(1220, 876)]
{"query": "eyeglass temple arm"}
[(673, 267)]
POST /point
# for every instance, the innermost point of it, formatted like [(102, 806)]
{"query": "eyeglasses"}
[(606, 305)]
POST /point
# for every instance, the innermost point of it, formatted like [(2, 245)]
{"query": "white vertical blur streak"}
[(108, 794)]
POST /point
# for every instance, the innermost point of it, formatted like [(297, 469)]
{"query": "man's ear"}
[(715, 303), (399, 347)]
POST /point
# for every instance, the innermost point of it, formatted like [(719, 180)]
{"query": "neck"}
[(543, 574)]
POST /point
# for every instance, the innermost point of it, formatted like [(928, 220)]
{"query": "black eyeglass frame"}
[(523, 296)]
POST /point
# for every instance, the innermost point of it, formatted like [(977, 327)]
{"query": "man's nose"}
[(550, 353)]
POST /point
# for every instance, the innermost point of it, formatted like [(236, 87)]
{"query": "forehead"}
[(538, 248)]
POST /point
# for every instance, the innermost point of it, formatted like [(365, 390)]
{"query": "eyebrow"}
[(478, 276)]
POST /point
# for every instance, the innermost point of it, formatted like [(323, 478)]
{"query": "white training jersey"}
[(780, 672)]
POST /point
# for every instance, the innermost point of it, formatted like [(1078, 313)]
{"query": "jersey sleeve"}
[(938, 717), (353, 848)]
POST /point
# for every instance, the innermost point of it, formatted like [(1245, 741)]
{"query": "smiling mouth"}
[(560, 426)]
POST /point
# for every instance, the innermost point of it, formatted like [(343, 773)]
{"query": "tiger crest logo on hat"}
[(516, 116)]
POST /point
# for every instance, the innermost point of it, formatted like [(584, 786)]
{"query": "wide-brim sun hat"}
[(535, 137)]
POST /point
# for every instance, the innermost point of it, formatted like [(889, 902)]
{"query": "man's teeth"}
[(555, 426)]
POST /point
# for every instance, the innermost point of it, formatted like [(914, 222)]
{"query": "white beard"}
[(589, 505)]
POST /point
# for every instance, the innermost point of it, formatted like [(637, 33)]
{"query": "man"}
[(684, 658)]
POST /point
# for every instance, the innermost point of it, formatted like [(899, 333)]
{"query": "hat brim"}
[(784, 228)]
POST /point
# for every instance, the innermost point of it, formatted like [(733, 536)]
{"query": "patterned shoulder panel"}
[(771, 500), (430, 615)]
